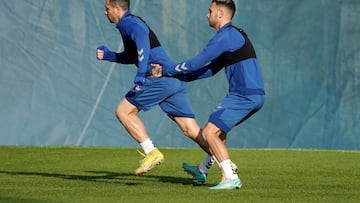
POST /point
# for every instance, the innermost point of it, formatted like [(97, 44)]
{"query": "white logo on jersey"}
[(140, 55), (181, 67), (219, 107)]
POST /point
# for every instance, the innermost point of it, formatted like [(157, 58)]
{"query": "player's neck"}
[(221, 24), (122, 13)]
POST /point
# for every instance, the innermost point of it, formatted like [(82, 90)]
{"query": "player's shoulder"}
[(228, 39), (234, 34), (228, 35), (134, 23)]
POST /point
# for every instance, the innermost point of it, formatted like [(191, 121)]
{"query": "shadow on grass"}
[(20, 200), (108, 177)]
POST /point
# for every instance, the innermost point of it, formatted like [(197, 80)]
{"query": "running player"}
[(141, 47), (232, 49)]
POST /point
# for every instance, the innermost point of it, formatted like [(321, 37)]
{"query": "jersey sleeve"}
[(141, 38), (207, 71), (123, 58), (212, 51)]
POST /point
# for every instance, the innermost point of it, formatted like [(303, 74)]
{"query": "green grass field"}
[(94, 174)]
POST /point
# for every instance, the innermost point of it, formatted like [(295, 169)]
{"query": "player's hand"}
[(139, 79), (101, 52), (156, 72)]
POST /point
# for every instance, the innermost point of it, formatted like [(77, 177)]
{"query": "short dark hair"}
[(124, 4), (228, 4)]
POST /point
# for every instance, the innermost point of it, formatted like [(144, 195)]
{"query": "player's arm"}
[(207, 71), (141, 38), (103, 53), (204, 72), (206, 57)]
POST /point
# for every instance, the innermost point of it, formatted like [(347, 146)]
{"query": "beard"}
[(212, 20), (211, 24), (110, 20)]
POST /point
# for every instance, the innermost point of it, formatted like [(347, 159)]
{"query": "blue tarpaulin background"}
[(53, 91)]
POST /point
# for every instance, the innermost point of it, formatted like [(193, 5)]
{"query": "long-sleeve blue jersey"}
[(141, 46), (229, 48)]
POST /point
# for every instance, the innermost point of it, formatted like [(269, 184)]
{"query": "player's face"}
[(111, 12), (213, 15)]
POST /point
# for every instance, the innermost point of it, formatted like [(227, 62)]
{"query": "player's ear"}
[(118, 8), (221, 13)]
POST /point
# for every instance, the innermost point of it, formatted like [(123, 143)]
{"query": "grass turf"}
[(94, 174)]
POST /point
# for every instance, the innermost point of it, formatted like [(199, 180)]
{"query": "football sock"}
[(206, 164), (147, 146), (228, 170)]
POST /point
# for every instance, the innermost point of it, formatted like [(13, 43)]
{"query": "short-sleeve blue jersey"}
[(141, 46), (244, 75)]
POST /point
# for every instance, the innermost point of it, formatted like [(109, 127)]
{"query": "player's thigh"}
[(153, 92), (126, 108), (177, 105), (234, 109)]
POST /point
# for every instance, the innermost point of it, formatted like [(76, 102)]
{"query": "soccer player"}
[(232, 49), (142, 47)]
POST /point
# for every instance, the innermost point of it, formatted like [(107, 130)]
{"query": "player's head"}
[(229, 4), (220, 13), (124, 4), (114, 9)]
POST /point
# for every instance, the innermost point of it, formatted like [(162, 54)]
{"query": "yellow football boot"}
[(155, 157)]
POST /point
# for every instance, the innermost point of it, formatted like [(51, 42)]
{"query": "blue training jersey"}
[(141, 46), (242, 71)]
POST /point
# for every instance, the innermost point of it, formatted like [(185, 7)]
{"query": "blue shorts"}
[(234, 109), (167, 92)]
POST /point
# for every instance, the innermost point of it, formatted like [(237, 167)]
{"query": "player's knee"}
[(194, 132), (120, 115), (208, 135), (189, 128), (190, 133)]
